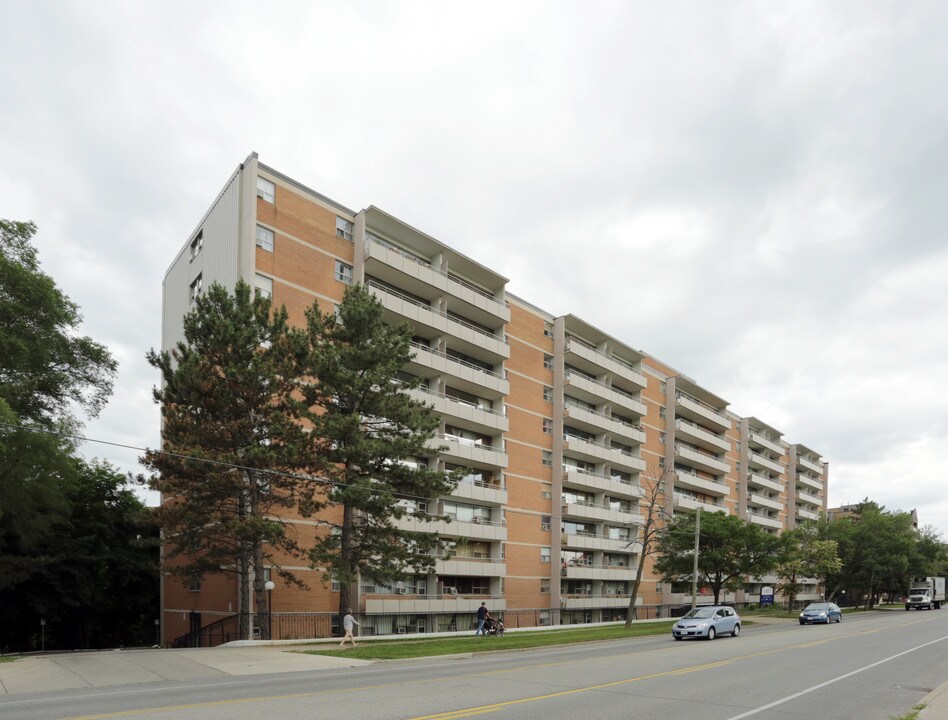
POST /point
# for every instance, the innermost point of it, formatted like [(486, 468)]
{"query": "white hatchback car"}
[(708, 622)]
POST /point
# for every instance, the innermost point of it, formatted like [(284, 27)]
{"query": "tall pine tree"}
[(231, 445), (365, 425)]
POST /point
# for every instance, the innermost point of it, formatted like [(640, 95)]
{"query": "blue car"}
[(821, 613), (708, 622)]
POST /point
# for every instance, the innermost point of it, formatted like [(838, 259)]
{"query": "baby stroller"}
[(494, 627)]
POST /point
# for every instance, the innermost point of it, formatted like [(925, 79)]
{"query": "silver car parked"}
[(708, 622)]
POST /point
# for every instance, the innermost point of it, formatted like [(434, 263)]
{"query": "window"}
[(263, 286), (548, 329), (194, 584), (548, 361), (264, 238), (544, 585), (661, 438), (266, 190), (544, 522), (661, 411), (546, 491), (661, 463), (548, 393), (334, 584), (548, 426), (544, 554), (343, 228), (544, 617), (196, 287), (547, 458), (197, 245), (343, 272)]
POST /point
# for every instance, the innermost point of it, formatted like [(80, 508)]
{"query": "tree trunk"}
[(635, 591), (345, 557), (243, 575), (261, 601)]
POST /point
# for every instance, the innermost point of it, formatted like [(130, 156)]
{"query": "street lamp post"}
[(43, 631), (157, 632), (268, 586)]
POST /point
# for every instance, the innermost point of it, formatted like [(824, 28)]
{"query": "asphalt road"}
[(871, 666)]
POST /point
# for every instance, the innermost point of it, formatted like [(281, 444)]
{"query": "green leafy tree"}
[(44, 362), (93, 577), (878, 550), (365, 424), (802, 554), (652, 508), (728, 551), (47, 369), (231, 443)]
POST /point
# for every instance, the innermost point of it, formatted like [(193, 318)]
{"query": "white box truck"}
[(926, 592)]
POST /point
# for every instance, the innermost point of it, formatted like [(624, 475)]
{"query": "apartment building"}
[(557, 421)]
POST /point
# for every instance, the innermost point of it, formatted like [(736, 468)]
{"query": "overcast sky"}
[(754, 193)]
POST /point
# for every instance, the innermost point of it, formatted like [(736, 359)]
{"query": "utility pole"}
[(694, 573)]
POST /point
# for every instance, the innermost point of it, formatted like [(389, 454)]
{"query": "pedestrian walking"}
[(482, 616), (348, 622)]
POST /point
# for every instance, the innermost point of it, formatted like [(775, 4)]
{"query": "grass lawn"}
[(7, 659), (513, 640)]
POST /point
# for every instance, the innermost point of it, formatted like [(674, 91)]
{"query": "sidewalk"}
[(69, 671), (936, 704)]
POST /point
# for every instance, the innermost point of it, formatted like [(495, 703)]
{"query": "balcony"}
[(598, 572), (473, 340), (761, 461), (597, 422), (810, 482), (696, 410), (417, 276), (764, 521), (600, 513), (482, 530), (576, 602), (699, 436), (700, 484), (766, 442), (807, 514), (685, 502), (762, 501), (596, 392), (584, 541), (471, 567), (422, 604), (463, 414), (466, 376), (585, 480), (464, 451), (701, 460), (810, 465), (804, 496), (593, 451), (755, 480), (490, 492), (595, 362)]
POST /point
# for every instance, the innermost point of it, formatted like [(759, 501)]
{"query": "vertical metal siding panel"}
[(217, 262)]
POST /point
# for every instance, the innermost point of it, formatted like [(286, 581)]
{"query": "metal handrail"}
[(451, 398), (442, 313), (601, 384), (598, 506), (567, 436), (470, 443), (465, 363), (424, 263), (613, 418)]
